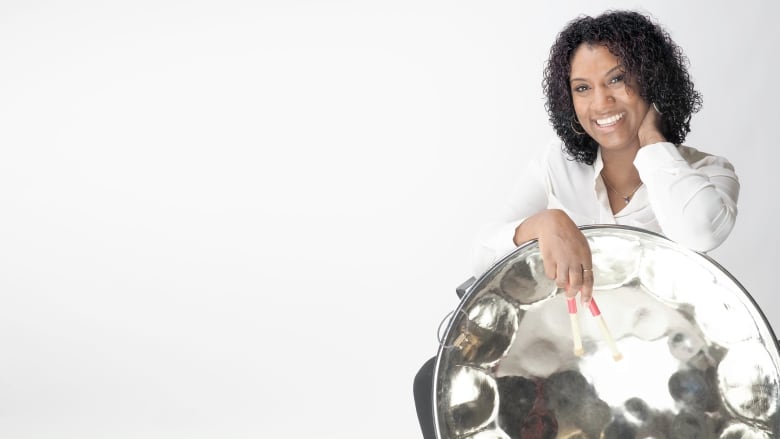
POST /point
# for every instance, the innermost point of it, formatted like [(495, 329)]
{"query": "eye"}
[(617, 79), (580, 88)]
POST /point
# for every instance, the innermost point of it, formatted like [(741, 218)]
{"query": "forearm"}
[(531, 228), (694, 205)]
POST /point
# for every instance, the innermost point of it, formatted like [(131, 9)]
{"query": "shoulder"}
[(698, 159), (554, 157), (557, 170)]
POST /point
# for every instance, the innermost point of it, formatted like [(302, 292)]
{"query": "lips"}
[(609, 121)]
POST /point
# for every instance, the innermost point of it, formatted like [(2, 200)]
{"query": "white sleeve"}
[(695, 202), (528, 197)]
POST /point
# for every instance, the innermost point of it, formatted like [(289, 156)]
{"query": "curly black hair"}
[(648, 56)]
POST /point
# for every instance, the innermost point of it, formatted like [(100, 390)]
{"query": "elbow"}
[(705, 231), (494, 241), (482, 259)]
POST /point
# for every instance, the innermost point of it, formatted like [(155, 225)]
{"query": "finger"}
[(587, 285), (562, 278), (550, 268), (575, 281)]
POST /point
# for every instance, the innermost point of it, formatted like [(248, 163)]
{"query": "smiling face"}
[(607, 106)]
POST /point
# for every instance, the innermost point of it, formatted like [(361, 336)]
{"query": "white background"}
[(246, 218)]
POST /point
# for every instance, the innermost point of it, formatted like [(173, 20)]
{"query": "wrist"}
[(532, 227)]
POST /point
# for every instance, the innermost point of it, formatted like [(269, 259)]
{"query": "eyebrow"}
[(617, 67)]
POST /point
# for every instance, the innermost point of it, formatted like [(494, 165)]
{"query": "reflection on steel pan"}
[(700, 360)]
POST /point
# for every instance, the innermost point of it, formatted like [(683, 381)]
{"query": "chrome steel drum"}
[(699, 359)]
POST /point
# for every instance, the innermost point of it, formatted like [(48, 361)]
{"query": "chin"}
[(614, 143)]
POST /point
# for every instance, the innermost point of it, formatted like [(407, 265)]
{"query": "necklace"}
[(625, 198)]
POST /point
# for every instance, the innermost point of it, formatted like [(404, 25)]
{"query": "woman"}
[(620, 98)]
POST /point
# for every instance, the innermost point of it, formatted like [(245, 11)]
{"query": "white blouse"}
[(688, 196)]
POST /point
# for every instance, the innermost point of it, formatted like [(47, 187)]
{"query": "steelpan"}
[(699, 358)]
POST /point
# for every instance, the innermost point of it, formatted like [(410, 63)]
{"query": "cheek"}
[(641, 108), (633, 99), (581, 110)]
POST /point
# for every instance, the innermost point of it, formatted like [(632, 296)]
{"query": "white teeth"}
[(610, 120)]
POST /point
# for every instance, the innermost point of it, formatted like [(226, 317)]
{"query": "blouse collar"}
[(598, 164)]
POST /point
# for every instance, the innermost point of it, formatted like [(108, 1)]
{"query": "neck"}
[(618, 167), (619, 158)]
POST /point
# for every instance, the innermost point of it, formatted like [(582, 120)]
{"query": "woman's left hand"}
[(650, 128)]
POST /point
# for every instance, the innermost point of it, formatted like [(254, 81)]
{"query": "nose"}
[(603, 98)]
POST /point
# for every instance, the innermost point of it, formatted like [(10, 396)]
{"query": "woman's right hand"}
[(565, 251)]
